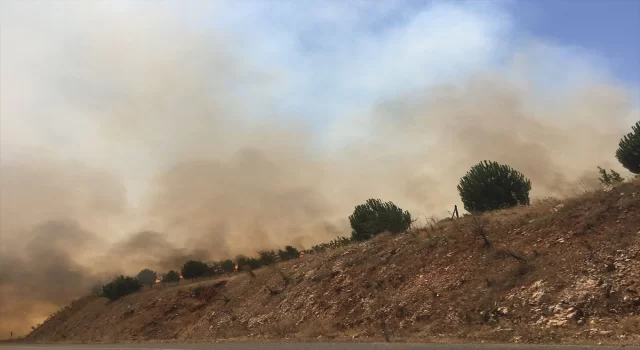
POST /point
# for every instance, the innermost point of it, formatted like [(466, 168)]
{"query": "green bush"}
[(491, 186), (193, 269), (120, 287), (335, 243), (288, 253), (375, 217), (267, 257), (213, 269), (628, 152), (147, 277), (227, 266), (253, 263), (171, 276), (245, 263)]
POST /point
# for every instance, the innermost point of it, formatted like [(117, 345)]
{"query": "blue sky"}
[(600, 38), (352, 53), (607, 28)]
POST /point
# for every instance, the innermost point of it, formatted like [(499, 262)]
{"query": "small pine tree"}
[(375, 217), (491, 186), (120, 287), (193, 269), (171, 276), (147, 277), (628, 152), (609, 179)]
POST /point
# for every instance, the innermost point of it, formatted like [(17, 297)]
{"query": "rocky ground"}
[(562, 272)]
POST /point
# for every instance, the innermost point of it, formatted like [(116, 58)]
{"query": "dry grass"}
[(449, 280), (631, 325)]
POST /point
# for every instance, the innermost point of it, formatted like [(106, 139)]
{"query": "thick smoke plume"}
[(174, 153)]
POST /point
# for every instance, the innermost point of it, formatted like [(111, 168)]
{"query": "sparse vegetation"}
[(335, 243), (197, 291), (466, 277), (147, 277), (375, 217), (610, 178), (121, 286), (265, 258), (492, 186), (628, 152)]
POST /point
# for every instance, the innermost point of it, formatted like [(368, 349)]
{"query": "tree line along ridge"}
[(487, 186)]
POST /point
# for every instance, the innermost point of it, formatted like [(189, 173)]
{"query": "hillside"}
[(553, 272)]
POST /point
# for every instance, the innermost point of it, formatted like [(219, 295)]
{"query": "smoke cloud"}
[(141, 142)]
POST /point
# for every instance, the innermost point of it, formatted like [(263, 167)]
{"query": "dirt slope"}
[(553, 272)]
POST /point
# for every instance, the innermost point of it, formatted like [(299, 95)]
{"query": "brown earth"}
[(561, 272)]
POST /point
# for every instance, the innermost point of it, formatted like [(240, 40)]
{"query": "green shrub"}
[(335, 243), (375, 217), (245, 263), (193, 269), (628, 152), (120, 287), (254, 263), (147, 277), (267, 257), (288, 253), (241, 260), (213, 269), (171, 276), (227, 266), (491, 186)]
